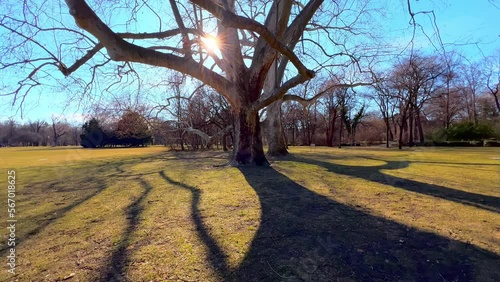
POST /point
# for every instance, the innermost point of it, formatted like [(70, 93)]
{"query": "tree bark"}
[(400, 141), (330, 133), (275, 134), (497, 103), (410, 127), (402, 127), (418, 120), (248, 148), (224, 142), (395, 125), (340, 132), (387, 131)]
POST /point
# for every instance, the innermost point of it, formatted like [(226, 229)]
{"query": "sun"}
[(210, 43)]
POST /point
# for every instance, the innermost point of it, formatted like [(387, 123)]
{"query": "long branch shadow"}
[(216, 256), (115, 271), (374, 173), (45, 219), (304, 236), (453, 163)]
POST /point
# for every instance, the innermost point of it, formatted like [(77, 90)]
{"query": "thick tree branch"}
[(231, 20), (295, 31), (276, 22), (81, 61), (185, 38), (278, 93), (230, 47), (120, 50), (159, 35)]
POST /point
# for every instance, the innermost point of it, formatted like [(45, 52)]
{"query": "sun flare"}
[(210, 43)]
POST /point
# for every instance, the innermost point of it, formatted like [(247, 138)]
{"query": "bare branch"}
[(231, 20), (120, 50), (81, 61), (306, 102)]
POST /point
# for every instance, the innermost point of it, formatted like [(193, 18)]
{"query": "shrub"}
[(93, 136), (491, 143), (459, 143), (469, 131)]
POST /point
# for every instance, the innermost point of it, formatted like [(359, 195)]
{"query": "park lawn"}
[(320, 214)]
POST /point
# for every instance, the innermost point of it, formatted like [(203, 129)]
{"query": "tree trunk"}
[(497, 103), (474, 109), (274, 132), (420, 128), (181, 140), (248, 148), (387, 131), (410, 129), (400, 141), (448, 117), (395, 125), (340, 132), (224, 142), (402, 126), (331, 132)]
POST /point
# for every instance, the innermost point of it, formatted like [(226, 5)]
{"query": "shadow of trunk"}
[(304, 236), (45, 219), (216, 256), (374, 173), (116, 269)]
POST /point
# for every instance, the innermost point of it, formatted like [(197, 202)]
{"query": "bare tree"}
[(75, 135), (351, 122), (36, 127), (492, 73), (330, 107), (450, 76), (59, 129), (344, 99), (416, 81), (250, 37), (384, 97), (291, 114), (472, 81), (240, 84)]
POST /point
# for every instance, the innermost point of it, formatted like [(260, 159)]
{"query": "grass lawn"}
[(320, 214)]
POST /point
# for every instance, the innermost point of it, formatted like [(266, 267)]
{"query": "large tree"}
[(251, 39), (492, 73), (132, 129), (416, 79)]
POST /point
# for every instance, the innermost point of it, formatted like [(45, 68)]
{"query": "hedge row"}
[(485, 143)]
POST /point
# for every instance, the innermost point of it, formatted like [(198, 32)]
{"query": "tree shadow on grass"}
[(216, 256), (82, 196), (115, 271), (45, 219), (454, 163), (304, 236), (375, 173)]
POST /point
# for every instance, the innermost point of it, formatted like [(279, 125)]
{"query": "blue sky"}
[(461, 24), (470, 27)]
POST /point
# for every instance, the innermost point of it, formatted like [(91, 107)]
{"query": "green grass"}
[(320, 214)]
